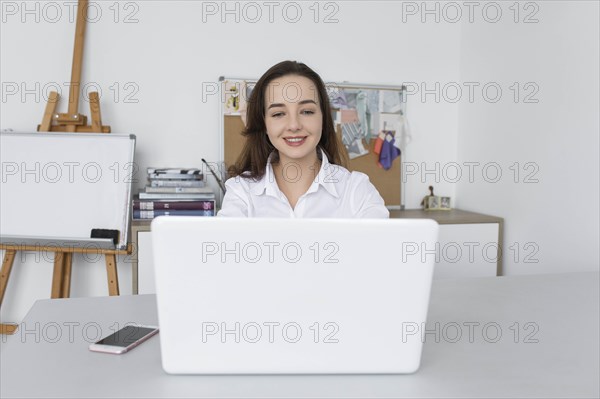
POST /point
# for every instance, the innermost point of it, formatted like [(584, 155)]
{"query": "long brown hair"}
[(252, 161)]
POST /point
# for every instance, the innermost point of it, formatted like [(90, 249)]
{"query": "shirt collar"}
[(324, 178), (266, 182)]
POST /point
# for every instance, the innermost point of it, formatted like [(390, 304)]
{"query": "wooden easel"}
[(72, 121)]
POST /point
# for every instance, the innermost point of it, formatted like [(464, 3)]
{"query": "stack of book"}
[(174, 192)]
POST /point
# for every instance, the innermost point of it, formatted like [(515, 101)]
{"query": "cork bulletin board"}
[(352, 130)]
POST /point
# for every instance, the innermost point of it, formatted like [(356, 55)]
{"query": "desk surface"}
[(451, 216), (553, 351)]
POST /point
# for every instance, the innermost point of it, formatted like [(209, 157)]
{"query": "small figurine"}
[(425, 202), (433, 202)]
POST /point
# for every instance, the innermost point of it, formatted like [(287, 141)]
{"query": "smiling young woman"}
[(292, 164)]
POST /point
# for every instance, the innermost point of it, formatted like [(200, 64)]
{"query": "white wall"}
[(167, 56), (170, 54), (553, 218)]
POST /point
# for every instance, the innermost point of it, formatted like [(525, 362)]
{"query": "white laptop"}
[(279, 296)]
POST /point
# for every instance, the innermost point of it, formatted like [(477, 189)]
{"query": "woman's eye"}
[(276, 115), (308, 112)]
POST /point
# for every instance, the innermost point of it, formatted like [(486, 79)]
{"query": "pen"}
[(215, 175)]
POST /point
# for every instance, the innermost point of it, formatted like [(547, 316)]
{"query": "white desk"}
[(563, 363)]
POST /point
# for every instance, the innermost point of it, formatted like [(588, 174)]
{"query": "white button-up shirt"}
[(334, 193)]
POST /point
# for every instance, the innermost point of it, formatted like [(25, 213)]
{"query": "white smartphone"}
[(124, 340)]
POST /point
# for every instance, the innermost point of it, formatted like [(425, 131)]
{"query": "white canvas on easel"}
[(62, 185)]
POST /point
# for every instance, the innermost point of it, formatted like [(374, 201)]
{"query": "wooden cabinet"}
[(470, 243), (469, 246)]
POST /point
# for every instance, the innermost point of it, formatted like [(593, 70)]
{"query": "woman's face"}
[(293, 117)]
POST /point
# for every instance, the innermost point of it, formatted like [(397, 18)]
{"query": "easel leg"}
[(95, 111), (57, 276), (66, 277), (113, 278), (9, 258), (49, 112)]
